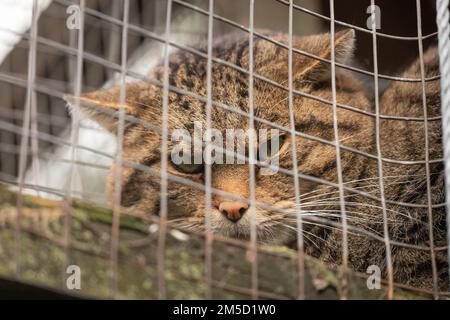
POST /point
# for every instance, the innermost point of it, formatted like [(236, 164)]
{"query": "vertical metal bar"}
[(338, 158), (72, 65), (78, 83), (251, 149), (34, 128), (114, 38), (427, 150), (208, 182), (34, 140), (26, 133), (119, 157), (379, 156), (443, 24), (300, 240), (164, 155)]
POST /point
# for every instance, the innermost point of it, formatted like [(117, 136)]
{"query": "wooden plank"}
[(42, 254)]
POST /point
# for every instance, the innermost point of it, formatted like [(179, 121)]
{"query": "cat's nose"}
[(233, 211)]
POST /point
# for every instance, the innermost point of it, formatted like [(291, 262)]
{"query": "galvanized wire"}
[(386, 238), (32, 87), (427, 149), (344, 285), (118, 169), (443, 23), (25, 137)]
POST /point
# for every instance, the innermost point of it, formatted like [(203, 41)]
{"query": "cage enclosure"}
[(190, 149)]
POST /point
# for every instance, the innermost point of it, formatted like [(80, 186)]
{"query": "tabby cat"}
[(401, 141)]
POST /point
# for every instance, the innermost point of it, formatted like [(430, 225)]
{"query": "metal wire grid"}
[(29, 130), (58, 70)]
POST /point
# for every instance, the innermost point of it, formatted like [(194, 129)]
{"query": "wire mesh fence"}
[(338, 186)]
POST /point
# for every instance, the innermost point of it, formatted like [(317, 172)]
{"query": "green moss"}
[(44, 259)]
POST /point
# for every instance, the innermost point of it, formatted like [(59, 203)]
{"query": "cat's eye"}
[(184, 162), (271, 147), (189, 168)]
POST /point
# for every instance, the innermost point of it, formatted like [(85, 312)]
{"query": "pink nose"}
[(233, 211)]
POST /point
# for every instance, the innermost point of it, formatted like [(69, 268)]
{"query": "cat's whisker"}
[(329, 213), (368, 205), (328, 226), (279, 102), (352, 230), (329, 203), (366, 228), (305, 233), (356, 220), (387, 184)]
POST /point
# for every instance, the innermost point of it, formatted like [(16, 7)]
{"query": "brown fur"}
[(400, 140)]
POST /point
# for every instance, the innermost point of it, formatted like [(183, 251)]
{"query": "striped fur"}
[(400, 140)]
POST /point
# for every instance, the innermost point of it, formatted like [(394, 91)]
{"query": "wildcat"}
[(313, 117)]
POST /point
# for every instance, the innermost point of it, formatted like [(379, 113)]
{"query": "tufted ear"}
[(103, 106), (313, 70)]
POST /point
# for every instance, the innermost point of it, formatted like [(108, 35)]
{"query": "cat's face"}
[(232, 210)]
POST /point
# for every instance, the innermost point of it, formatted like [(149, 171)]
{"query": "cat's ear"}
[(102, 106), (313, 70)]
